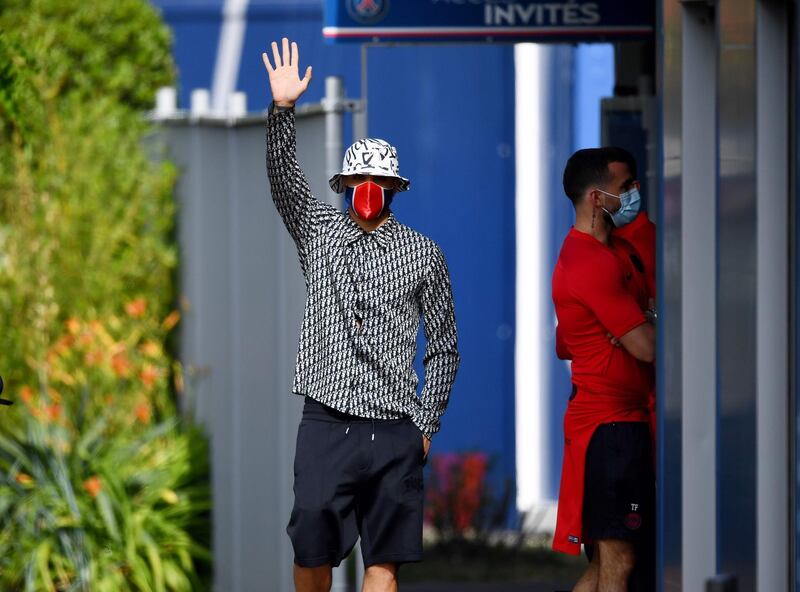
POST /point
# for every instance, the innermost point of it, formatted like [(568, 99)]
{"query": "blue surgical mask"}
[(630, 204)]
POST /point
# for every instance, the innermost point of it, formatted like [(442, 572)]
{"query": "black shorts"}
[(352, 477), (619, 491)]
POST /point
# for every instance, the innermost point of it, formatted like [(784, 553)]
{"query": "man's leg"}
[(312, 579), (381, 577), (322, 526), (591, 577), (389, 506), (616, 563)]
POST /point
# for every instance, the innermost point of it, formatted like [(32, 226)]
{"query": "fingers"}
[(265, 59), (287, 57), (295, 59), (307, 78), (276, 56)]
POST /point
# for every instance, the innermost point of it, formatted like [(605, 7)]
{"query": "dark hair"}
[(590, 167)]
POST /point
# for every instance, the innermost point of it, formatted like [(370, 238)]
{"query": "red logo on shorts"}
[(633, 521)]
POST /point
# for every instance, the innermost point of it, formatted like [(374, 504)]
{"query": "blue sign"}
[(488, 20)]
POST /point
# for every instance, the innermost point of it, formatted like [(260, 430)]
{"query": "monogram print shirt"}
[(365, 294)]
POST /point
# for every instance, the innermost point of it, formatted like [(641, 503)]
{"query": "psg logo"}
[(367, 12)]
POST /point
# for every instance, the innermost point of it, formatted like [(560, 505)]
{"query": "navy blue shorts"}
[(619, 490), (355, 476)]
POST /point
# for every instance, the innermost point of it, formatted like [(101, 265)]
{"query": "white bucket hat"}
[(370, 156)]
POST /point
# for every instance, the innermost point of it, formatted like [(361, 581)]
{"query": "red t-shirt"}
[(641, 233), (597, 289), (600, 289)]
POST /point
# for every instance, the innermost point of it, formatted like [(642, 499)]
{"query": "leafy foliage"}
[(102, 485)]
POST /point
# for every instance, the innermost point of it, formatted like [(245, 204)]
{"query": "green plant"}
[(86, 219), (84, 509), (102, 485)]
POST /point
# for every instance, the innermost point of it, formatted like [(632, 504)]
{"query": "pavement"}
[(488, 587)]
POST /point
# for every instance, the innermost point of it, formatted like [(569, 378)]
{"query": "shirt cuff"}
[(425, 422), (276, 109)]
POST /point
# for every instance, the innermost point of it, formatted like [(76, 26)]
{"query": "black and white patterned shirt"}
[(366, 292)]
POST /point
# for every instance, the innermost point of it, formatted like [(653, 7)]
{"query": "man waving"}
[(365, 433)]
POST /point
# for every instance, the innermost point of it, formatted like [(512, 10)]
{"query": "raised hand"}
[(284, 80)]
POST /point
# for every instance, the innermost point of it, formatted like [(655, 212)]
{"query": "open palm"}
[(284, 80)]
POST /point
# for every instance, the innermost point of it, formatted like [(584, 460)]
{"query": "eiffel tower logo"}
[(367, 12)]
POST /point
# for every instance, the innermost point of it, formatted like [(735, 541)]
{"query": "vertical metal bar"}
[(229, 53), (698, 295), (670, 357), (737, 291), (360, 116), (772, 296), (359, 569), (334, 130)]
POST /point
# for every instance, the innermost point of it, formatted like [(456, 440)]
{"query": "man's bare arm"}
[(641, 342)]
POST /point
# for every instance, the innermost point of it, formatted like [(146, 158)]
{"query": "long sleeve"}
[(441, 355), (301, 212)]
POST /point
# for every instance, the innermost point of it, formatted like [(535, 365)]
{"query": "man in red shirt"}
[(641, 233), (600, 289)]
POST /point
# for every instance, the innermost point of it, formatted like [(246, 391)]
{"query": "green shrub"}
[(102, 485), (82, 508)]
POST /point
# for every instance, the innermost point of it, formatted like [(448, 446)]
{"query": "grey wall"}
[(243, 296)]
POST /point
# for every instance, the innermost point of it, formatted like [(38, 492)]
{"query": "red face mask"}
[(368, 199)]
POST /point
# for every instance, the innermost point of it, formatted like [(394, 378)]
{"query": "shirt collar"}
[(383, 235)]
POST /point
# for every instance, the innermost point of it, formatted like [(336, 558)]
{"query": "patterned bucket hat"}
[(370, 156)]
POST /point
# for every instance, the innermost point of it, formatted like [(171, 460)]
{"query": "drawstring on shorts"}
[(347, 430)]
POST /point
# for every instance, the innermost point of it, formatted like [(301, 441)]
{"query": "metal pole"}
[(333, 103), (359, 568), (334, 131), (360, 116)]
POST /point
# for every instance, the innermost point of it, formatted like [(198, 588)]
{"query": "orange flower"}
[(64, 343), (136, 308), (54, 395), (85, 339), (24, 479), (73, 325), (93, 485), (26, 394), (171, 320), (149, 375), (151, 348), (142, 412), (53, 412), (121, 364), (93, 358)]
